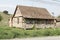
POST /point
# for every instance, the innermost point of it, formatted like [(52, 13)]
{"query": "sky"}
[(50, 5)]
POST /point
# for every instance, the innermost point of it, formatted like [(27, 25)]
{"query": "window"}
[(37, 21), (29, 21), (49, 22)]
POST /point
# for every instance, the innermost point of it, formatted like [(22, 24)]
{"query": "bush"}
[(4, 34), (0, 17), (7, 32), (18, 33), (58, 16), (5, 11), (34, 28)]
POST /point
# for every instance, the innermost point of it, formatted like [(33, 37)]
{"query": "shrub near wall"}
[(8, 33), (5, 33), (1, 18)]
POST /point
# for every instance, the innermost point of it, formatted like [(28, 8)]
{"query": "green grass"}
[(8, 33), (5, 18)]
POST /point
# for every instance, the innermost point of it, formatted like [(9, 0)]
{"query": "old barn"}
[(27, 17)]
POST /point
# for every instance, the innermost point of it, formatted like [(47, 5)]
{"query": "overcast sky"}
[(50, 5)]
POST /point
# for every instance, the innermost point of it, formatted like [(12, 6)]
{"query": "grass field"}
[(4, 21), (8, 33)]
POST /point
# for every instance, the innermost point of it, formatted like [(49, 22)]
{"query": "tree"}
[(59, 16), (5, 11), (0, 17)]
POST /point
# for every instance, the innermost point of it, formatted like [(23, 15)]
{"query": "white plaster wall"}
[(15, 24), (58, 24), (18, 13)]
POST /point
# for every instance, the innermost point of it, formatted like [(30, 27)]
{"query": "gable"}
[(18, 12)]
